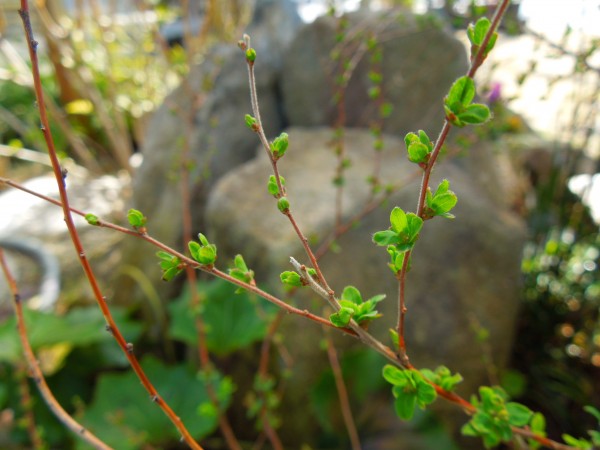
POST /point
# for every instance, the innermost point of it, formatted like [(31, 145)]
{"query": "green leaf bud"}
[(283, 205), (136, 218), (279, 145), (291, 278), (251, 55), (251, 122), (92, 219)]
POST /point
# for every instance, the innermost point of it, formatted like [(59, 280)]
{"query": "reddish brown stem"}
[(60, 179), (36, 372), (340, 386), (27, 403), (476, 62)]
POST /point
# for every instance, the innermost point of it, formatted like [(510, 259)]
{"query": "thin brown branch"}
[(476, 62), (126, 347), (36, 372), (27, 405), (340, 386)]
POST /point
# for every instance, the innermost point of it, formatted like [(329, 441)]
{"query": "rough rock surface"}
[(35, 230), (420, 60), (465, 272)]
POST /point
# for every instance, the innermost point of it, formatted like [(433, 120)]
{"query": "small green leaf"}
[(577, 443), (477, 32), (272, 186), (405, 405), (440, 203), (170, 265), (239, 263), (341, 318), (92, 219), (205, 253), (475, 114), (352, 294), (418, 153), (240, 271), (538, 426), (386, 237), (203, 239), (394, 375), (136, 218), (461, 93), (398, 220), (518, 415), (415, 223), (426, 394), (291, 278)]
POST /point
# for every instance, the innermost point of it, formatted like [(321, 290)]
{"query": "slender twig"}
[(36, 372), (191, 274), (112, 327), (27, 402), (340, 385), (476, 62)]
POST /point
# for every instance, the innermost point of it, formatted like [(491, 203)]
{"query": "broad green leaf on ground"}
[(123, 415), (232, 321)]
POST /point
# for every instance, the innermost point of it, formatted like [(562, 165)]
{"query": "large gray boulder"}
[(464, 272), (205, 115), (420, 60)]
